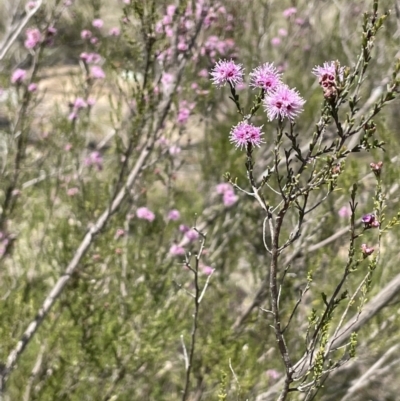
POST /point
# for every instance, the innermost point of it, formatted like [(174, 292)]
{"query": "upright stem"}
[(274, 291), (198, 294), (193, 336)]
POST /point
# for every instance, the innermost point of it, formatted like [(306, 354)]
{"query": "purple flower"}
[(72, 116), (97, 72), (228, 195), (327, 72), (174, 150), (51, 31), (97, 23), (183, 115), (184, 111), (265, 77), (95, 159), (282, 32), (79, 103), (289, 12), (223, 187), (207, 270), (32, 87), (115, 31), (171, 10), (227, 71), (203, 73), (272, 374), (368, 218), (182, 46), (229, 198), (166, 80), (192, 235), (176, 250), (376, 166), (344, 211), (366, 250), (33, 37), (174, 215), (145, 214), (31, 4), (370, 221), (283, 102), (276, 41), (86, 34), (244, 134), (18, 76), (183, 228), (90, 58)]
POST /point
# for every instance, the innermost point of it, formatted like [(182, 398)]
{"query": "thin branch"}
[(365, 379), (89, 237), (15, 32)]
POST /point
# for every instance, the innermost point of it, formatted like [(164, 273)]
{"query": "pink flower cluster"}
[(176, 250), (78, 105), (376, 168), (283, 102), (185, 108), (187, 21), (90, 58), (115, 31), (97, 23), (215, 46), (328, 76), (18, 76), (96, 72), (370, 221), (265, 77), (245, 134), (289, 12), (227, 72), (190, 233), (174, 215), (366, 250), (145, 213), (280, 101), (228, 194), (344, 211), (33, 38), (95, 159)]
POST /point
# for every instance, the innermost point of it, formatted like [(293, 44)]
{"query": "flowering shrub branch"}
[(319, 167)]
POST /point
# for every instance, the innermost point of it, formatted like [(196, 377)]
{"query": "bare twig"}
[(364, 380)]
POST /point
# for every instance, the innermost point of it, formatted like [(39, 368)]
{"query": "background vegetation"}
[(97, 298)]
